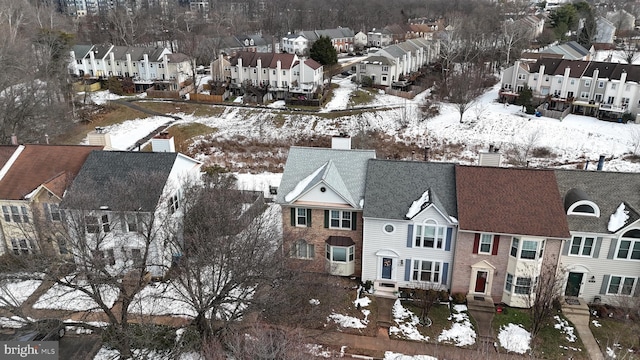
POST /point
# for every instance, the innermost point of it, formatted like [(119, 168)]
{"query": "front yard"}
[(557, 339), (618, 337)]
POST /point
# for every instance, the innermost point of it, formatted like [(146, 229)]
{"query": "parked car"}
[(41, 330)]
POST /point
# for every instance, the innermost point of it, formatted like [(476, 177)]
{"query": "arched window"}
[(430, 235), (303, 250)]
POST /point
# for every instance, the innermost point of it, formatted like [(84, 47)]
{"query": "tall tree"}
[(323, 52)]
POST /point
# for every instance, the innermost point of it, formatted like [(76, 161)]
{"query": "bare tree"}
[(545, 290), (230, 254), (521, 152), (425, 297), (463, 89)]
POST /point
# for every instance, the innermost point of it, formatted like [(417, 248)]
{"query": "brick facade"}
[(317, 235)]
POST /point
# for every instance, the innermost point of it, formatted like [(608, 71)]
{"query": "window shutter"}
[(596, 250), (476, 243), (123, 223), (47, 214), (496, 243), (637, 292), (410, 236), (447, 243), (63, 215), (293, 216), (354, 220), (407, 270), (326, 219), (308, 217), (445, 273), (605, 283), (612, 248), (565, 248)]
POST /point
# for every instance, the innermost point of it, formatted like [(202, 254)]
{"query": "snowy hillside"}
[(570, 141)]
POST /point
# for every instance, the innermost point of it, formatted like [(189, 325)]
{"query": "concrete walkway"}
[(578, 314)]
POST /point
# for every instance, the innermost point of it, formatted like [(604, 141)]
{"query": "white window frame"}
[(581, 245), (174, 203), (132, 219), (584, 94), (483, 242), (520, 248), (349, 253), (587, 83), (420, 233), (523, 285), (303, 250), (303, 216), (341, 219), (522, 76), (600, 84), (433, 274), (621, 285), (508, 283), (632, 245)]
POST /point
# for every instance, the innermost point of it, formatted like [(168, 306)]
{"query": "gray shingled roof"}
[(81, 51), (606, 189), (392, 186), (120, 180), (345, 171)]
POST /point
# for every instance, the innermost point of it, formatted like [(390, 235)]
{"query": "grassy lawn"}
[(625, 333), (179, 107), (550, 343), (183, 135), (111, 114), (361, 97), (439, 315)]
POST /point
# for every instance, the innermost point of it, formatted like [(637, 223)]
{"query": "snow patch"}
[(514, 338), (563, 326), (618, 219), (302, 185), (407, 323), (418, 205), (461, 332), (388, 355)]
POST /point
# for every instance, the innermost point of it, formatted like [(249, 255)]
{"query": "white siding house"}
[(409, 226)]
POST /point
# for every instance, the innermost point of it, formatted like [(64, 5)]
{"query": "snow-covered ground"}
[(572, 140), (406, 324), (461, 332)]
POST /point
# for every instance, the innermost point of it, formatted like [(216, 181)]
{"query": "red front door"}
[(481, 282)]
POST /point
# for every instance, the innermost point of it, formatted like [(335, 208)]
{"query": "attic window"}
[(584, 208)]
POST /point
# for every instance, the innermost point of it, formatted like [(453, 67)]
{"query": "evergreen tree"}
[(323, 52)]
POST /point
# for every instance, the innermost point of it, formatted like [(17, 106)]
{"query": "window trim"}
[(384, 228), (349, 253), (508, 283), (621, 285), (435, 271), (301, 244), (439, 235), (341, 219), (630, 250), (482, 237), (583, 239), (298, 217), (523, 289)]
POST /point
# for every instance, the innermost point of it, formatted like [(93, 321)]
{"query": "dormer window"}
[(577, 202)]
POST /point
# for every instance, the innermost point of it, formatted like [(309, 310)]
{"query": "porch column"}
[(623, 79)]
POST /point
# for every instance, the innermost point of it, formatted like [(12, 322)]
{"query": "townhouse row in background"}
[(484, 231)]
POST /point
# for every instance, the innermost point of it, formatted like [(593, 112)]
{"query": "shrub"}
[(443, 296), (367, 285), (459, 298)]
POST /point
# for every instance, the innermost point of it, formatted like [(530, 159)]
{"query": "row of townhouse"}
[(145, 65), (342, 39), (479, 230), (58, 199), (277, 75), (592, 88), (390, 64)]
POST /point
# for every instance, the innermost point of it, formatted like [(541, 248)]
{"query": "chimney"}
[(163, 142), (100, 137), (14, 139), (600, 163), (342, 141), (491, 157)]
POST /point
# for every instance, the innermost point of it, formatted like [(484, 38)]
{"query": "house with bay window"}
[(602, 257), (321, 195), (511, 227), (410, 225)]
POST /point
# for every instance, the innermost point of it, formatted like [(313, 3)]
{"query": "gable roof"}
[(268, 60), (570, 50), (107, 175), (606, 189), (393, 185), (510, 201), (343, 170), (39, 164)]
